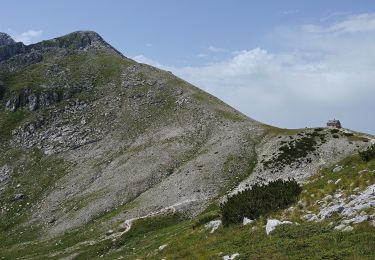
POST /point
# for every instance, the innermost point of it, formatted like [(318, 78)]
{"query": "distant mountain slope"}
[(86, 132)]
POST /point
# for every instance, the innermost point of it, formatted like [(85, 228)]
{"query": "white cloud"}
[(316, 78), (148, 44), (143, 59), (27, 37), (288, 12), (334, 15), (353, 24), (215, 49), (202, 55)]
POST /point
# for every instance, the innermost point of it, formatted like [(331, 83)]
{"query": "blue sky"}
[(287, 63)]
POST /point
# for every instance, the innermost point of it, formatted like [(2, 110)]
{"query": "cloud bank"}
[(325, 70), (27, 37)]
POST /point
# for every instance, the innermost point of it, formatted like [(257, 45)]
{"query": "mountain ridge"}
[(5, 39), (75, 40), (90, 137)]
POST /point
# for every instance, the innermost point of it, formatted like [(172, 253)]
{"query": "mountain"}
[(5, 39), (92, 141)]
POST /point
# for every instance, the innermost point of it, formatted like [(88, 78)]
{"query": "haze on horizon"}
[(292, 64)]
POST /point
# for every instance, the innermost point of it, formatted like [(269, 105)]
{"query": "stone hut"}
[(334, 123)]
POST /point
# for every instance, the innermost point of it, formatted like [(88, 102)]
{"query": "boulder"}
[(213, 225), (340, 227), (337, 169), (32, 101), (273, 223), (311, 217), (358, 219), (18, 196), (231, 257), (329, 211), (338, 181), (109, 232), (247, 221), (13, 103), (348, 228)]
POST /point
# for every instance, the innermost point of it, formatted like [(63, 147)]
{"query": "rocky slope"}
[(86, 132)]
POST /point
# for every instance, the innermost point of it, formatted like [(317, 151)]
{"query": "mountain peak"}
[(77, 40), (5, 39), (81, 38)]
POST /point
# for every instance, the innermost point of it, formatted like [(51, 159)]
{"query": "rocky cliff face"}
[(5, 39), (81, 40), (85, 131)]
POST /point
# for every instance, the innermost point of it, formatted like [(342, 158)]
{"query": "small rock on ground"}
[(273, 223), (214, 224), (227, 257), (247, 221)]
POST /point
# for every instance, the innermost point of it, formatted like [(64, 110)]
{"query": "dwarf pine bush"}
[(368, 154), (260, 200)]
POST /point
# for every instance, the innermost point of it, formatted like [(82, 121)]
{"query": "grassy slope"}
[(309, 240), (34, 172), (188, 239), (37, 173)]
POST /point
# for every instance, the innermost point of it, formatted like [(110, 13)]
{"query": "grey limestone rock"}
[(5, 39)]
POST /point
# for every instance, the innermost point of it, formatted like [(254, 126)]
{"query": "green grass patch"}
[(355, 173), (33, 175), (230, 115), (368, 154), (274, 131), (9, 121), (294, 150)]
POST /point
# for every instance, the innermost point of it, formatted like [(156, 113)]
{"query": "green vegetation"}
[(77, 70), (356, 138), (260, 200), (9, 121), (355, 174), (271, 130), (240, 167), (368, 154), (188, 239), (295, 150), (230, 115), (220, 108), (33, 175), (207, 216), (184, 240)]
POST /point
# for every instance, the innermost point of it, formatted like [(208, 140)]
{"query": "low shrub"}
[(259, 200), (368, 154), (293, 151), (205, 218)]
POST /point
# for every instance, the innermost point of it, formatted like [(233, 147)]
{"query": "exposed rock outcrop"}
[(8, 51), (27, 98), (213, 225), (80, 40), (273, 223), (5, 39)]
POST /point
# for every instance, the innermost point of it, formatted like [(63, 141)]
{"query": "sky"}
[(288, 63)]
